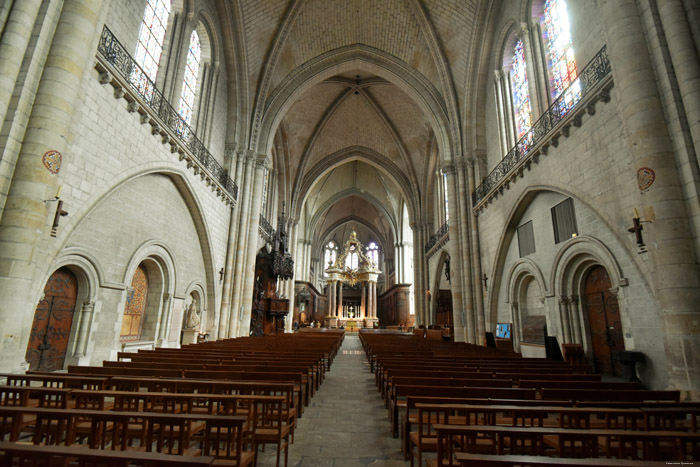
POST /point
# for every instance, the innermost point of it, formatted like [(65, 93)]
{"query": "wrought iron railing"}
[(595, 72), (437, 236), (266, 230), (123, 63)]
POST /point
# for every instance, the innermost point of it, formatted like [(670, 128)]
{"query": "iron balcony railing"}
[(437, 236), (594, 73), (266, 230), (117, 56)]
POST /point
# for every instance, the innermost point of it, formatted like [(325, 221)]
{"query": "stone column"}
[(362, 302), (339, 308), (467, 272), (516, 331), (164, 318), (540, 75), (512, 131), (331, 298), (575, 318), (564, 317), (461, 333), (290, 293), (418, 255), (13, 45), (84, 326), (25, 223), (671, 252), (500, 113), (530, 65), (245, 192), (252, 244), (476, 257)]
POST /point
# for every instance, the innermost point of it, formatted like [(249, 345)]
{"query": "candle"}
[(636, 213), (58, 191)]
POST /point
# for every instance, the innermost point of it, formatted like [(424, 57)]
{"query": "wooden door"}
[(53, 318), (604, 319), (443, 308)]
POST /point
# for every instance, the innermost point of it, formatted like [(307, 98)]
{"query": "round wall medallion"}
[(52, 161), (645, 178)]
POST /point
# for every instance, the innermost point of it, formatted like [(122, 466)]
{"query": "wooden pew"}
[(596, 395), (40, 456), (468, 459)]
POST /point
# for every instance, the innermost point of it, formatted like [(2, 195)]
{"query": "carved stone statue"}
[(192, 316)]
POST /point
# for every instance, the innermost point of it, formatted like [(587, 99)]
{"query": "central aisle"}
[(346, 424)]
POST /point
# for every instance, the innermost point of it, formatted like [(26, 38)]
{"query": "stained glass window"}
[(373, 253), (447, 201), (190, 84), (330, 254), (352, 260), (150, 44), (136, 297), (521, 94), (561, 52)]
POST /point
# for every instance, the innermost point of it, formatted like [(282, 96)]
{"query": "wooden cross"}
[(221, 274), (637, 230), (485, 280), (59, 213)]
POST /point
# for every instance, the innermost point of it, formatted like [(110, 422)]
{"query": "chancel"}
[(282, 204)]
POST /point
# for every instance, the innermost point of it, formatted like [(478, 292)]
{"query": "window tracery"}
[(150, 43), (189, 85), (521, 94), (561, 51)]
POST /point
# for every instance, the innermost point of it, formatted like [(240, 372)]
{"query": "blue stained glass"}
[(521, 94), (190, 81), (561, 51), (150, 43)]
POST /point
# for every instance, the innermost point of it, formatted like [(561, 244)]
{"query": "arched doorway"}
[(53, 319), (604, 319)]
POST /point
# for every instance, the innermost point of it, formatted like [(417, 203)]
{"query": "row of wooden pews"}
[(214, 403), (468, 405)]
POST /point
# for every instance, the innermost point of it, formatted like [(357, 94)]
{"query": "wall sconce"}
[(59, 210), (221, 275), (485, 280)]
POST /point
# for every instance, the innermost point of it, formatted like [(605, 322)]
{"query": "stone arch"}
[(181, 179), (438, 273), (516, 212), (367, 156), (375, 61), (522, 275), (90, 278), (159, 263), (196, 290), (571, 267), (506, 35), (349, 192)]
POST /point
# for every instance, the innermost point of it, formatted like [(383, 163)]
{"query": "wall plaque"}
[(52, 161), (645, 178)]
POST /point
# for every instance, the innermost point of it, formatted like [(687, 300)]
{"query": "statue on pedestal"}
[(192, 316)]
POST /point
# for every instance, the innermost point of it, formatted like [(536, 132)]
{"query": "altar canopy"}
[(352, 267)]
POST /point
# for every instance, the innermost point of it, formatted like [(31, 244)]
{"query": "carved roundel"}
[(52, 161), (645, 178)]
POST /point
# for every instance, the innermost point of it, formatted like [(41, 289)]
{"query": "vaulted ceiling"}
[(357, 101)]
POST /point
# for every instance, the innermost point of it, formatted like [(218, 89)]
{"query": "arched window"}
[(330, 254), (521, 94), (446, 198), (557, 36), (352, 260), (189, 85), (150, 43), (136, 298), (373, 253)]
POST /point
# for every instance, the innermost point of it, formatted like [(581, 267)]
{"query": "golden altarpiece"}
[(352, 267)]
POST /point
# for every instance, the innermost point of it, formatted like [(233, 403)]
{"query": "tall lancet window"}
[(373, 253), (352, 260), (190, 83), (446, 196), (150, 44), (330, 254), (521, 95), (561, 53)]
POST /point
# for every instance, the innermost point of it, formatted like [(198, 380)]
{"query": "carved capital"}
[(448, 167)]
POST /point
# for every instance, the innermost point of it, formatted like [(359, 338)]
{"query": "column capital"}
[(231, 150), (448, 167), (497, 75)]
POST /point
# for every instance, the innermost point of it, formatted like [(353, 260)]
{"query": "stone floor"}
[(346, 424)]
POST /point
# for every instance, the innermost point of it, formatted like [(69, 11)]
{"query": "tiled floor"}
[(346, 424)]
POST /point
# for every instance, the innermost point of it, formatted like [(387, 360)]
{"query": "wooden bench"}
[(467, 459), (40, 456)]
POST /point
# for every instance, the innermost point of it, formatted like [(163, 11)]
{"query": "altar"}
[(356, 270)]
